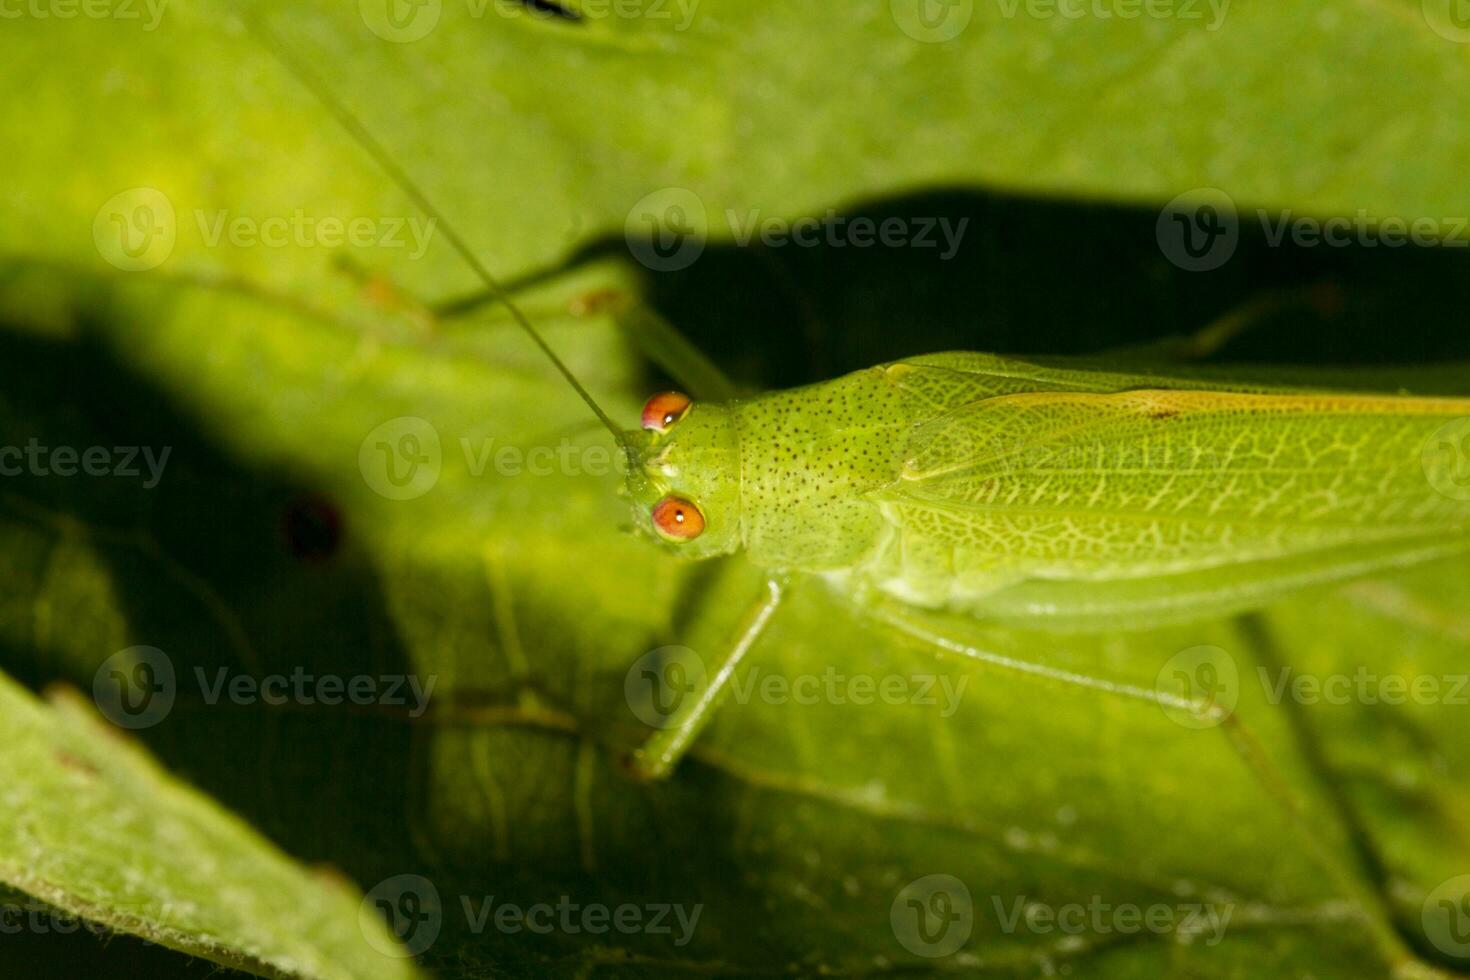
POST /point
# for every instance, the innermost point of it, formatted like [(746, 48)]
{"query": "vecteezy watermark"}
[(410, 905), (660, 681), (135, 688), (1363, 228), (566, 458), (832, 686), (1200, 230), (401, 21), (1201, 686), (839, 231), (932, 21), (932, 916), (138, 687), (668, 230), (41, 919), (1098, 916), (406, 21), (147, 13), (570, 918), (135, 230), (1450, 19), (1445, 457), (1364, 686), (302, 230), (1209, 13), (1012, 457), (403, 458), (1017, 457), (1445, 916), (138, 229), (1198, 687), (34, 459)]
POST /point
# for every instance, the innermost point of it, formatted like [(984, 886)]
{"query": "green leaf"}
[(91, 826), (544, 134), (274, 544)]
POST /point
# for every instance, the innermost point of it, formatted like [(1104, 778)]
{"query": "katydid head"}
[(683, 465), (683, 475)]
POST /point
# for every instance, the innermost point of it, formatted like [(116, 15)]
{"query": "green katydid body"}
[(1061, 496), (1058, 496)]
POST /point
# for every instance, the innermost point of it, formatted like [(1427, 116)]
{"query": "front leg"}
[(658, 756)]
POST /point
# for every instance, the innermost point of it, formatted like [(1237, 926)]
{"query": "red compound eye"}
[(664, 409), (677, 519)]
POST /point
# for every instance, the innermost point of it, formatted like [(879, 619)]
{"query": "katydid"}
[(1048, 493), (1051, 496)]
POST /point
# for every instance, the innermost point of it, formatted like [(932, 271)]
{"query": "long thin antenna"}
[(319, 88)]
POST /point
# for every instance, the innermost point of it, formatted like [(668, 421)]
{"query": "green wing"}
[(1109, 486), (1100, 375)]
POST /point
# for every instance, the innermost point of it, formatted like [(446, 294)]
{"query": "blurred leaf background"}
[(265, 549)]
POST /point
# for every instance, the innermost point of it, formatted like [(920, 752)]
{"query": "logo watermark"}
[(1098, 916), (1364, 686), (1450, 19), (1208, 13), (146, 13), (932, 21), (1445, 457), (135, 688), (932, 916), (138, 687), (669, 229), (1445, 916), (835, 230), (1199, 230), (127, 462), (410, 905), (660, 681), (40, 919), (566, 458), (136, 229), (302, 230), (1199, 687), (1362, 228), (403, 458)]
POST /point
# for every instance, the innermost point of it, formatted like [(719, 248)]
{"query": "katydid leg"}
[(661, 342), (916, 625), (659, 755), (1207, 341)]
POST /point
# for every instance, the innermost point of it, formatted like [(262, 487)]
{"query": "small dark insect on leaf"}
[(554, 8), (312, 527)]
